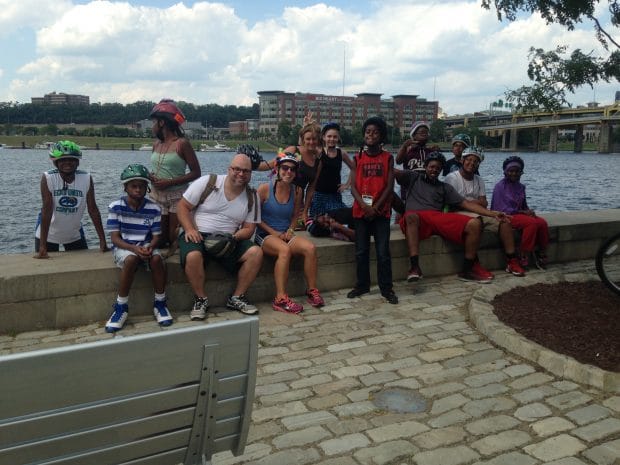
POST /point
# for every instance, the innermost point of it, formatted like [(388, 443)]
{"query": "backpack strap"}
[(210, 187), (251, 193)]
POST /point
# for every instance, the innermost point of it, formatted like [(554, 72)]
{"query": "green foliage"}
[(438, 130), (553, 73), (118, 114)]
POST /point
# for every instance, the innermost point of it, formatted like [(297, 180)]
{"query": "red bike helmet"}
[(167, 109)]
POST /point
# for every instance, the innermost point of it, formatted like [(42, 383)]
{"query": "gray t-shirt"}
[(422, 195)]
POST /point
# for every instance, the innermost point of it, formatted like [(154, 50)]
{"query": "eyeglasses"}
[(238, 170), (290, 168)]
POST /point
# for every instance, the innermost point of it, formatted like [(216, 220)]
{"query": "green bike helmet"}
[(462, 138), (135, 171), (65, 149)]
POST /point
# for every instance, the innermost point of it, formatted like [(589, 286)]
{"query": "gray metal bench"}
[(169, 397)]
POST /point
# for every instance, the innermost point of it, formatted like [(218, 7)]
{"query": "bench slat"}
[(87, 417), (146, 399)]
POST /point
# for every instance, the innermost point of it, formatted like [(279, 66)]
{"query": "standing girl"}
[(172, 156), (372, 185), (509, 197), (325, 193), (280, 206)]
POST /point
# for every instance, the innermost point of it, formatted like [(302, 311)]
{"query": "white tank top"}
[(68, 205)]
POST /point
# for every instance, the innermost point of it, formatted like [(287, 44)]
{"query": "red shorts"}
[(450, 226)]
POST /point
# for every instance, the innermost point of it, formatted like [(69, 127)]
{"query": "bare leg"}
[(127, 274), (158, 274), (411, 233), (195, 272), (306, 248), (506, 235), (251, 261), (276, 247), (472, 235)]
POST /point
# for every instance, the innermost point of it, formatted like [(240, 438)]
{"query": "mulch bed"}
[(581, 320)]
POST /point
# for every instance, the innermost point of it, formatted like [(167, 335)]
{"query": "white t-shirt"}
[(470, 189), (217, 213)]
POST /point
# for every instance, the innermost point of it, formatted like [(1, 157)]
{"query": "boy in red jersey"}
[(372, 183)]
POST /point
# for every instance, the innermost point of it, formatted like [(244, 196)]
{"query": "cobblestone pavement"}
[(320, 373)]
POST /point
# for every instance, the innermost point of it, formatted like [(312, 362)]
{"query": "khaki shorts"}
[(167, 200), (488, 223)]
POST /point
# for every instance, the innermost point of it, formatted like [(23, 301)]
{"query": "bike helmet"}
[(252, 153), (328, 126), (513, 161), (463, 139), (380, 123), (287, 157), (435, 156), (417, 125), (135, 171), (473, 150), (65, 149), (167, 109)]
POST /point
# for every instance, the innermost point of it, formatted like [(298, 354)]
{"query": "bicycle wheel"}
[(608, 263)]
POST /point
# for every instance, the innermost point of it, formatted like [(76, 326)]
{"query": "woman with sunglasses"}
[(281, 202)]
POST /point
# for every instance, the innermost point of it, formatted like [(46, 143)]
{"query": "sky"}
[(203, 52)]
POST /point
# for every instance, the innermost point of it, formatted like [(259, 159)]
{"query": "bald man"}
[(230, 210)]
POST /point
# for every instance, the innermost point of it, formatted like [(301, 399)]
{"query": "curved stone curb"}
[(482, 316)]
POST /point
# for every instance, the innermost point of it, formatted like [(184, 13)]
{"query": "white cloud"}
[(118, 52)]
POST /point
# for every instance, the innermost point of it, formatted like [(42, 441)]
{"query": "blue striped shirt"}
[(136, 226)]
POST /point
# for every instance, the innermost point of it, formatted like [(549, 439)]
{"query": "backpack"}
[(210, 187)]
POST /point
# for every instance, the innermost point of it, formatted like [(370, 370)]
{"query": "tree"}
[(438, 130), (558, 72)]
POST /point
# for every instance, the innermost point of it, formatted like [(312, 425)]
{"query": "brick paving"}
[(318, 374)]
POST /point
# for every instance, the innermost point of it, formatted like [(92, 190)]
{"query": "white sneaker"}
[(118, 318), (199, 311), (241, 304)]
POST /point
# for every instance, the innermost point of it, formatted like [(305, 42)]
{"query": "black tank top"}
[(329, 179)]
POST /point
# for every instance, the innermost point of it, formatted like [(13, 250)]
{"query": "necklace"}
[(161, 155)]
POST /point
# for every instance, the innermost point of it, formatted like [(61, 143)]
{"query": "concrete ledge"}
[(482, 316), (78, 288)]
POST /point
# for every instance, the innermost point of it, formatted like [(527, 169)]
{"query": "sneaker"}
[(161, 312), (414, 274), (356, 292), (199, 311), (514, 267), (477, 273), (540, 260), (286, 305), (118, 318), (314, 298), (241, 304), (390, 297), (524, 261)]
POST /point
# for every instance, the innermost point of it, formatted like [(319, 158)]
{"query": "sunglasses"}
[(290, 168)]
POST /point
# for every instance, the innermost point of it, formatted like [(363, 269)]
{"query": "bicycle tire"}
[(608, 263)]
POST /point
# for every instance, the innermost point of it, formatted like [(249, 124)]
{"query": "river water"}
[(555, 182)]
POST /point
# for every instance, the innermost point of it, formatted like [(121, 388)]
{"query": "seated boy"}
[(334, 223), (424, 216), (134, 225)]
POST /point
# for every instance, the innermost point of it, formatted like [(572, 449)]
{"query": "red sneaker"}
[(477, 273), (286, 305), (314, 298), (414, 274), (514, 267)]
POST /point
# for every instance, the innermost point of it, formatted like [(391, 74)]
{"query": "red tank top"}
[(371, 178)]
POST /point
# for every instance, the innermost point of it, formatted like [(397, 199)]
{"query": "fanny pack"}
[(219, 245)]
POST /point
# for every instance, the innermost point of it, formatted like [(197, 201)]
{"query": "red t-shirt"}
[(371, 179)]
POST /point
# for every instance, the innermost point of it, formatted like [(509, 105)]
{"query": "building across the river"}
[(61, 98), (399, 111)]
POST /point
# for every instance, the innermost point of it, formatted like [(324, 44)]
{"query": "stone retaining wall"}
[(79, 287)]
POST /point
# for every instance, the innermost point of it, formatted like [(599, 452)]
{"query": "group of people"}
[(221, 218)]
